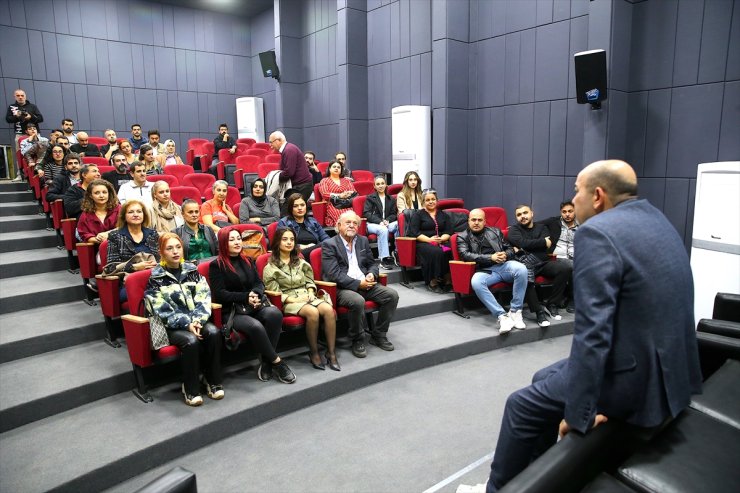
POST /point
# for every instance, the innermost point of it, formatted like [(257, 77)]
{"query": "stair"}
[(66, 394)]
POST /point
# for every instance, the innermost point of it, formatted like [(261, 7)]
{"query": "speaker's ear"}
[(591, 77)]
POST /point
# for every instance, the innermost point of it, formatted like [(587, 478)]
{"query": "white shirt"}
[(130, 191), (353, 269)]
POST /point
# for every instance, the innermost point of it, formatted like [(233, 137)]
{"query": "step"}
[(36, 261), (39, 330), (18, 208), (22, 223), (149, 435), (60, 380), (7, 185), (37, 290), (23, 195), (27, 240)]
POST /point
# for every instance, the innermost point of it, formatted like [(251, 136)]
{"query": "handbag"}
[(157, 330), (531, 261), (341, 203), (231, 338), (120, 269)]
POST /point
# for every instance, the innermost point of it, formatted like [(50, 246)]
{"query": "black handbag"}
[(231, 338), (341, 203)]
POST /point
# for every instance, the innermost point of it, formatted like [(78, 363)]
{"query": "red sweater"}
[(88, 225)]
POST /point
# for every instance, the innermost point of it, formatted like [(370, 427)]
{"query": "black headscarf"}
[(259, 200)]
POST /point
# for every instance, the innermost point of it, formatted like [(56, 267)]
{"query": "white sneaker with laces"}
[(516, 317), (505, 324), (476, 488), (17, 179)]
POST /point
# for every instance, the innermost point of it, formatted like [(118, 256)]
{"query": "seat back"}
[(105, 168), (273, 158), (358, 205), (363, 175), (364, 187), (262, 145), (315, 261), (317, 197), (444, 204), (197, 144), (135, 286), (201, 181), (263, 169), (248, 163), (98, 141), (252, 151), (246, 140), (180, 193), (179, 171), (253, 227), (261, 263), (323, 166), (271, 228), (394, 189), (225, 156), (171, 180), (233, 196), (97, 160), (495, 217), (453, 245), (103, 251)]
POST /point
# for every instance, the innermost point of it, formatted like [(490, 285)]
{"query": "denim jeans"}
[(382, 232), (510, 271)]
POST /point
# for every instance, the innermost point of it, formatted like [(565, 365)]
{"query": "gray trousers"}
[(385, 297)]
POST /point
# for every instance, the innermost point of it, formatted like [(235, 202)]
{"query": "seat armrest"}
[(68, 231), (719, 327), (727, 307), (138, 339), (275, 298), (217, 314), (220, 170), (86, 257), (110, 297), (329, 287), (239, 179), (461, 273), (383, 279), (319, 212), (205, 162), (406, 248)]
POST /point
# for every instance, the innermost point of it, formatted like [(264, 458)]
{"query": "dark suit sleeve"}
[(597, 280), (332, 271)]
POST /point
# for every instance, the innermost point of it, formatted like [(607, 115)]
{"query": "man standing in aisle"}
[(20, 114), (292, 165)]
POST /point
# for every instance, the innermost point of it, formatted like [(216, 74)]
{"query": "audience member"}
[(67, 178), (138, 188), (136, 140), (111, 144), (291, 276), (53, 136), (34, 148), (292, 165), (310, 157), (83, 147), (223, 141), (382, 220), (337, 192), (562, 233), (347, 260), (199, 242), (75, 193), (181, 298), (146, 155), (120, 174), (410, 195), (432, 229), (169, 156), (236, 285), (20, 114), (100, 211), (341, 157), (494, 261), (64, 142), (631, 360), (216, 213), (54, 165), (308, 232), (154, 142), (534, 238), (127, 150), (68, 128), (257, 207), (166, 215)]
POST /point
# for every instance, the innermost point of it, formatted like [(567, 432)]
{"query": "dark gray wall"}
[(113, 63)]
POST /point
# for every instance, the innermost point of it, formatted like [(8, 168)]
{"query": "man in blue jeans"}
[(493, 256)]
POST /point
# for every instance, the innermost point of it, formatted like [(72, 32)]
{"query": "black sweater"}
[(530, 239), (229, 287)]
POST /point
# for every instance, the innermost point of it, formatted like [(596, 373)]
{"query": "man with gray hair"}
[(348, 261), (292, 165), (83, 146)]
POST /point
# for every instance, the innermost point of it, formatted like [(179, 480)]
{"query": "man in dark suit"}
[(348, 261), (634, 354), (292, 165)]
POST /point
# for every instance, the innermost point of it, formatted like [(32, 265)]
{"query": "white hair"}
[(219, 182), (278, 135), (344, 215)]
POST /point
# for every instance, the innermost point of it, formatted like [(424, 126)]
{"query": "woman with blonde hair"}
[(166, 215), (410, 195)]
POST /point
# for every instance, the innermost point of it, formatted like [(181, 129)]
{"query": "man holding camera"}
[(20, 114)]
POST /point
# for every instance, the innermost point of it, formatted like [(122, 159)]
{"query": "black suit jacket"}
[(335, 263)]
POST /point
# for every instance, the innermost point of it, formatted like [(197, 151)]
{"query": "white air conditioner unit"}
[(250, 118), (411, 130)]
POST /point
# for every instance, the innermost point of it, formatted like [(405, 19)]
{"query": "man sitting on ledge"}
[(634, 354)]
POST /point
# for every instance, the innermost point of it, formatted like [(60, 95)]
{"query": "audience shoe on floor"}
[(476, 488), (358, 349), (542, 320), (434, 288), (382, 342), (17, 179), (215, 392), (333, 366), (387, 263), (570, 307), (394, 256), (505, 324), (191, 400), (516, 317), (552, 308), (317, 366), (264, 372), (284, 373)]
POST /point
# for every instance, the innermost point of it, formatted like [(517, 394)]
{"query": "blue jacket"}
[(312, 225)]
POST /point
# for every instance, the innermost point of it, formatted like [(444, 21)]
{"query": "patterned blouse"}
[(327, 186)]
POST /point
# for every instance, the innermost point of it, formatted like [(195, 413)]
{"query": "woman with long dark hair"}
[(308, 232), (410, 195), (236, 285), (336, 187)]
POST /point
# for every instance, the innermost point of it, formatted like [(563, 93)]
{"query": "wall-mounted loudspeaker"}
[(591, 77), (269, 65)]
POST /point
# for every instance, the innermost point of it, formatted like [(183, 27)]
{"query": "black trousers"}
[(305, 189), (561, 272), (191, 348), (262, 329)]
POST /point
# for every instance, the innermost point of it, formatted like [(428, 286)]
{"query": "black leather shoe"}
[(358, 349), (333, 366), (382, 342)]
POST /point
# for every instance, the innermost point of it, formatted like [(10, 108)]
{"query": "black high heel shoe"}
[(319, 366), (333, 366)]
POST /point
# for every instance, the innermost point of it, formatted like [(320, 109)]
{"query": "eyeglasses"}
[(429, 190), (273, 140)]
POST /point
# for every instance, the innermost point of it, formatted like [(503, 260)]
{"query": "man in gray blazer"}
[(348, 261), (634, 354)]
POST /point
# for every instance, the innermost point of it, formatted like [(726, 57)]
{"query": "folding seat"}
[(246, 140), (253, 151), (233, 196), (171, 180), (201, 181), (225, 157), (246, 171), (394, 189), (195, 148), (179, 171), (290, 322), (98, 141), (100, 161), (318, 206), (263, 169), (207, 151), (57, 214), (105, 168), (69, 227), (273, 158), (364, 187), (323, 166), (444, 204), (178, 194), (89, 268), (496, 217), (110, 298), (262, 145), (363, 175)]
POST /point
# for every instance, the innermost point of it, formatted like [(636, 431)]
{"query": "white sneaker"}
[(505, 324), (191, 400), (476, 488), (516, 317), (17, 178)]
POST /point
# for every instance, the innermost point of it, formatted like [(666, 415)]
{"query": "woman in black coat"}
[(382, 219), (234, 281), (432, 229)]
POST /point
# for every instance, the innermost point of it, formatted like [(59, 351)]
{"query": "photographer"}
[(20, 114)]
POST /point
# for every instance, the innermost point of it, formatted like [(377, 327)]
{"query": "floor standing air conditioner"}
[(250, 118), (715, 241), (411, 128)]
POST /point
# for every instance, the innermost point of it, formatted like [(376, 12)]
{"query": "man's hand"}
[(365, 284), (499, 257), (255, 220), (564, 427), (548, 241)]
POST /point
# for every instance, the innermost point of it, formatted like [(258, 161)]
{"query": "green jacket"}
[(179, 302)]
